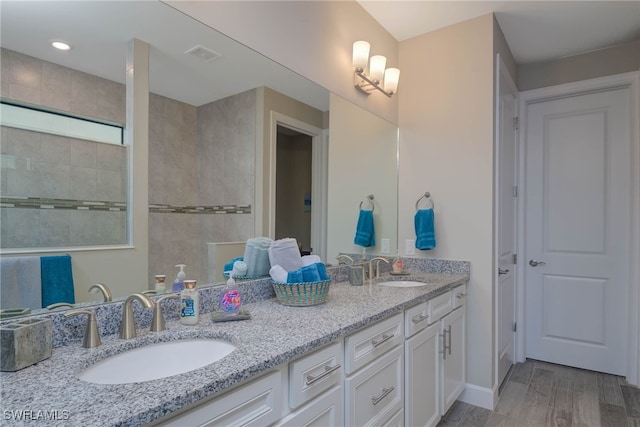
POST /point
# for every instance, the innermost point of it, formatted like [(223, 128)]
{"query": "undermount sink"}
[(403, 283), (156, 361)]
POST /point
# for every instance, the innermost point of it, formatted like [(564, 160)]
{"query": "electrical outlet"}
[(409, 247), (384, 246)]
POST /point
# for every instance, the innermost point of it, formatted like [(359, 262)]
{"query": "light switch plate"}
[(409, 247), (384, 246)]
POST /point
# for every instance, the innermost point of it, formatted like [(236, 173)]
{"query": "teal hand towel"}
[(310, 273), (57, 280), (425, 229), (365, 233)]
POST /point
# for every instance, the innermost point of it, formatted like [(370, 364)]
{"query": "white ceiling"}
[(99, 31), (535, 30)]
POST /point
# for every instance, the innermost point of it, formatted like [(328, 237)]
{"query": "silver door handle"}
[(385, 391), (375, 343), (327, 371), (501, 271), (534, 263)]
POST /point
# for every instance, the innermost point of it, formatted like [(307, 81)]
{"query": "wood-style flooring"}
[(540, 394)]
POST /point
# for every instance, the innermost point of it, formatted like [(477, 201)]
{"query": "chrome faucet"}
[(371, 261), (91, 334), (157, 323), (104, 289), (128, 325)]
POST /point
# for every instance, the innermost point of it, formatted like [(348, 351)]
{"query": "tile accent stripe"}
[(61, 204), (96, 205), (221, 209)]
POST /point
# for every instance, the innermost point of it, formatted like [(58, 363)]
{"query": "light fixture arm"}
[(366, 85)]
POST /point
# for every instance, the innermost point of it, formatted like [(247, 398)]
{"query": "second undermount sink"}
[(403, 283), (156, 361)]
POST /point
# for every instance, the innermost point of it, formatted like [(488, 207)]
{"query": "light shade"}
[(60, 45), (361, 54), (391, 78), (376, 67)]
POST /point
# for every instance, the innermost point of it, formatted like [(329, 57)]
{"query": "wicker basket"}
[(302, 294)]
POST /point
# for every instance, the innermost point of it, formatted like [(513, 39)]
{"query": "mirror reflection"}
[(218, 112)]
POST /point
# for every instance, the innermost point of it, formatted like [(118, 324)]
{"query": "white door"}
[(454, 368), (506, 219), (421, 383), (578, 157)]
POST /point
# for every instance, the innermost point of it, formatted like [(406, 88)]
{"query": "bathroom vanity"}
[(360, 357)]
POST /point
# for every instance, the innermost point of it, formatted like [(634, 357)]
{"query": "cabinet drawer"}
[(374, 394), (257, 403), (459, 296), (315, 373), (325, 411), (364, 346), (439, 306), (415, 319)]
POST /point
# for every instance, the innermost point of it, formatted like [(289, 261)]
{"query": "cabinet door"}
[(422, 381), (453, 357), (374, 394), (325, 411), (314, 373)]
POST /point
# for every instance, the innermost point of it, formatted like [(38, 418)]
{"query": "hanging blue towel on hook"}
[(365, 233), (425, 229)]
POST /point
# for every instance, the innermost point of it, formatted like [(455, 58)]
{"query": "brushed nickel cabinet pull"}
[(385, 392), (375, 343), (327, 370)]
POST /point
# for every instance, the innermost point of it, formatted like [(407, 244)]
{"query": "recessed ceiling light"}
[(60, 45)]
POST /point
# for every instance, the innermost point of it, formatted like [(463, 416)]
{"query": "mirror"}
[(182, 87)]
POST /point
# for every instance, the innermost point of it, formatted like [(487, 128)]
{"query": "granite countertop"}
[(275, 334)]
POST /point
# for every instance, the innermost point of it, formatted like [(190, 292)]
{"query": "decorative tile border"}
[(221, 209), (98, 205), (61, 204)]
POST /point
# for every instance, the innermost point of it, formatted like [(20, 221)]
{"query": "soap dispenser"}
[(189, 303), (230, 298), (178, 284)]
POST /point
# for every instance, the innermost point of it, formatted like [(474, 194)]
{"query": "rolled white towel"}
[(239, 269), (286, 254), (310, 259), (256, 256), (278, 274)]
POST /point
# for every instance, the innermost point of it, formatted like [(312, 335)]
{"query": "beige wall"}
[(446, 148), (317, 42), (362, 161), (615, 60)]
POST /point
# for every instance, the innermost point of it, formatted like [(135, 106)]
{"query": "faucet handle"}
[(91, 334), (157, 323)]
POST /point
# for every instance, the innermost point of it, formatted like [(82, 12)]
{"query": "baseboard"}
[(480, 396)]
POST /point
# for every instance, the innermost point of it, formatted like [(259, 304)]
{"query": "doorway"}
[(293, 186), (577, 271)]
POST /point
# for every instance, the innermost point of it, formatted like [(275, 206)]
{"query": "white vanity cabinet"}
[(375, 371), (254, 404), (435, 363), (315, 391)]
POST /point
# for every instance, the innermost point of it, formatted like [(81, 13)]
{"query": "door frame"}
[(319, 160), (630, 80), (502, 73)]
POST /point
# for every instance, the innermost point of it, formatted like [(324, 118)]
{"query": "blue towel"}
[(229, 266), (425, 229), (365, 234), (310, 273), (295, 277), (322, 271), (57, 280)]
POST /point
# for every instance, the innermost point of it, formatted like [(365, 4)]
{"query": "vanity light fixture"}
[(384, 80), (60, 45)]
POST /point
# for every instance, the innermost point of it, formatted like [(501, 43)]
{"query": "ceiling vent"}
[(204, 54)]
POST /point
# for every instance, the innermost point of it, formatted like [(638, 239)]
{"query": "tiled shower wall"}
[(201, 168), (201, 180), (76, 189)]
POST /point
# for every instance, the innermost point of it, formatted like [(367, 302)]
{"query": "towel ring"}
[(427, 197), (370, 199)]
